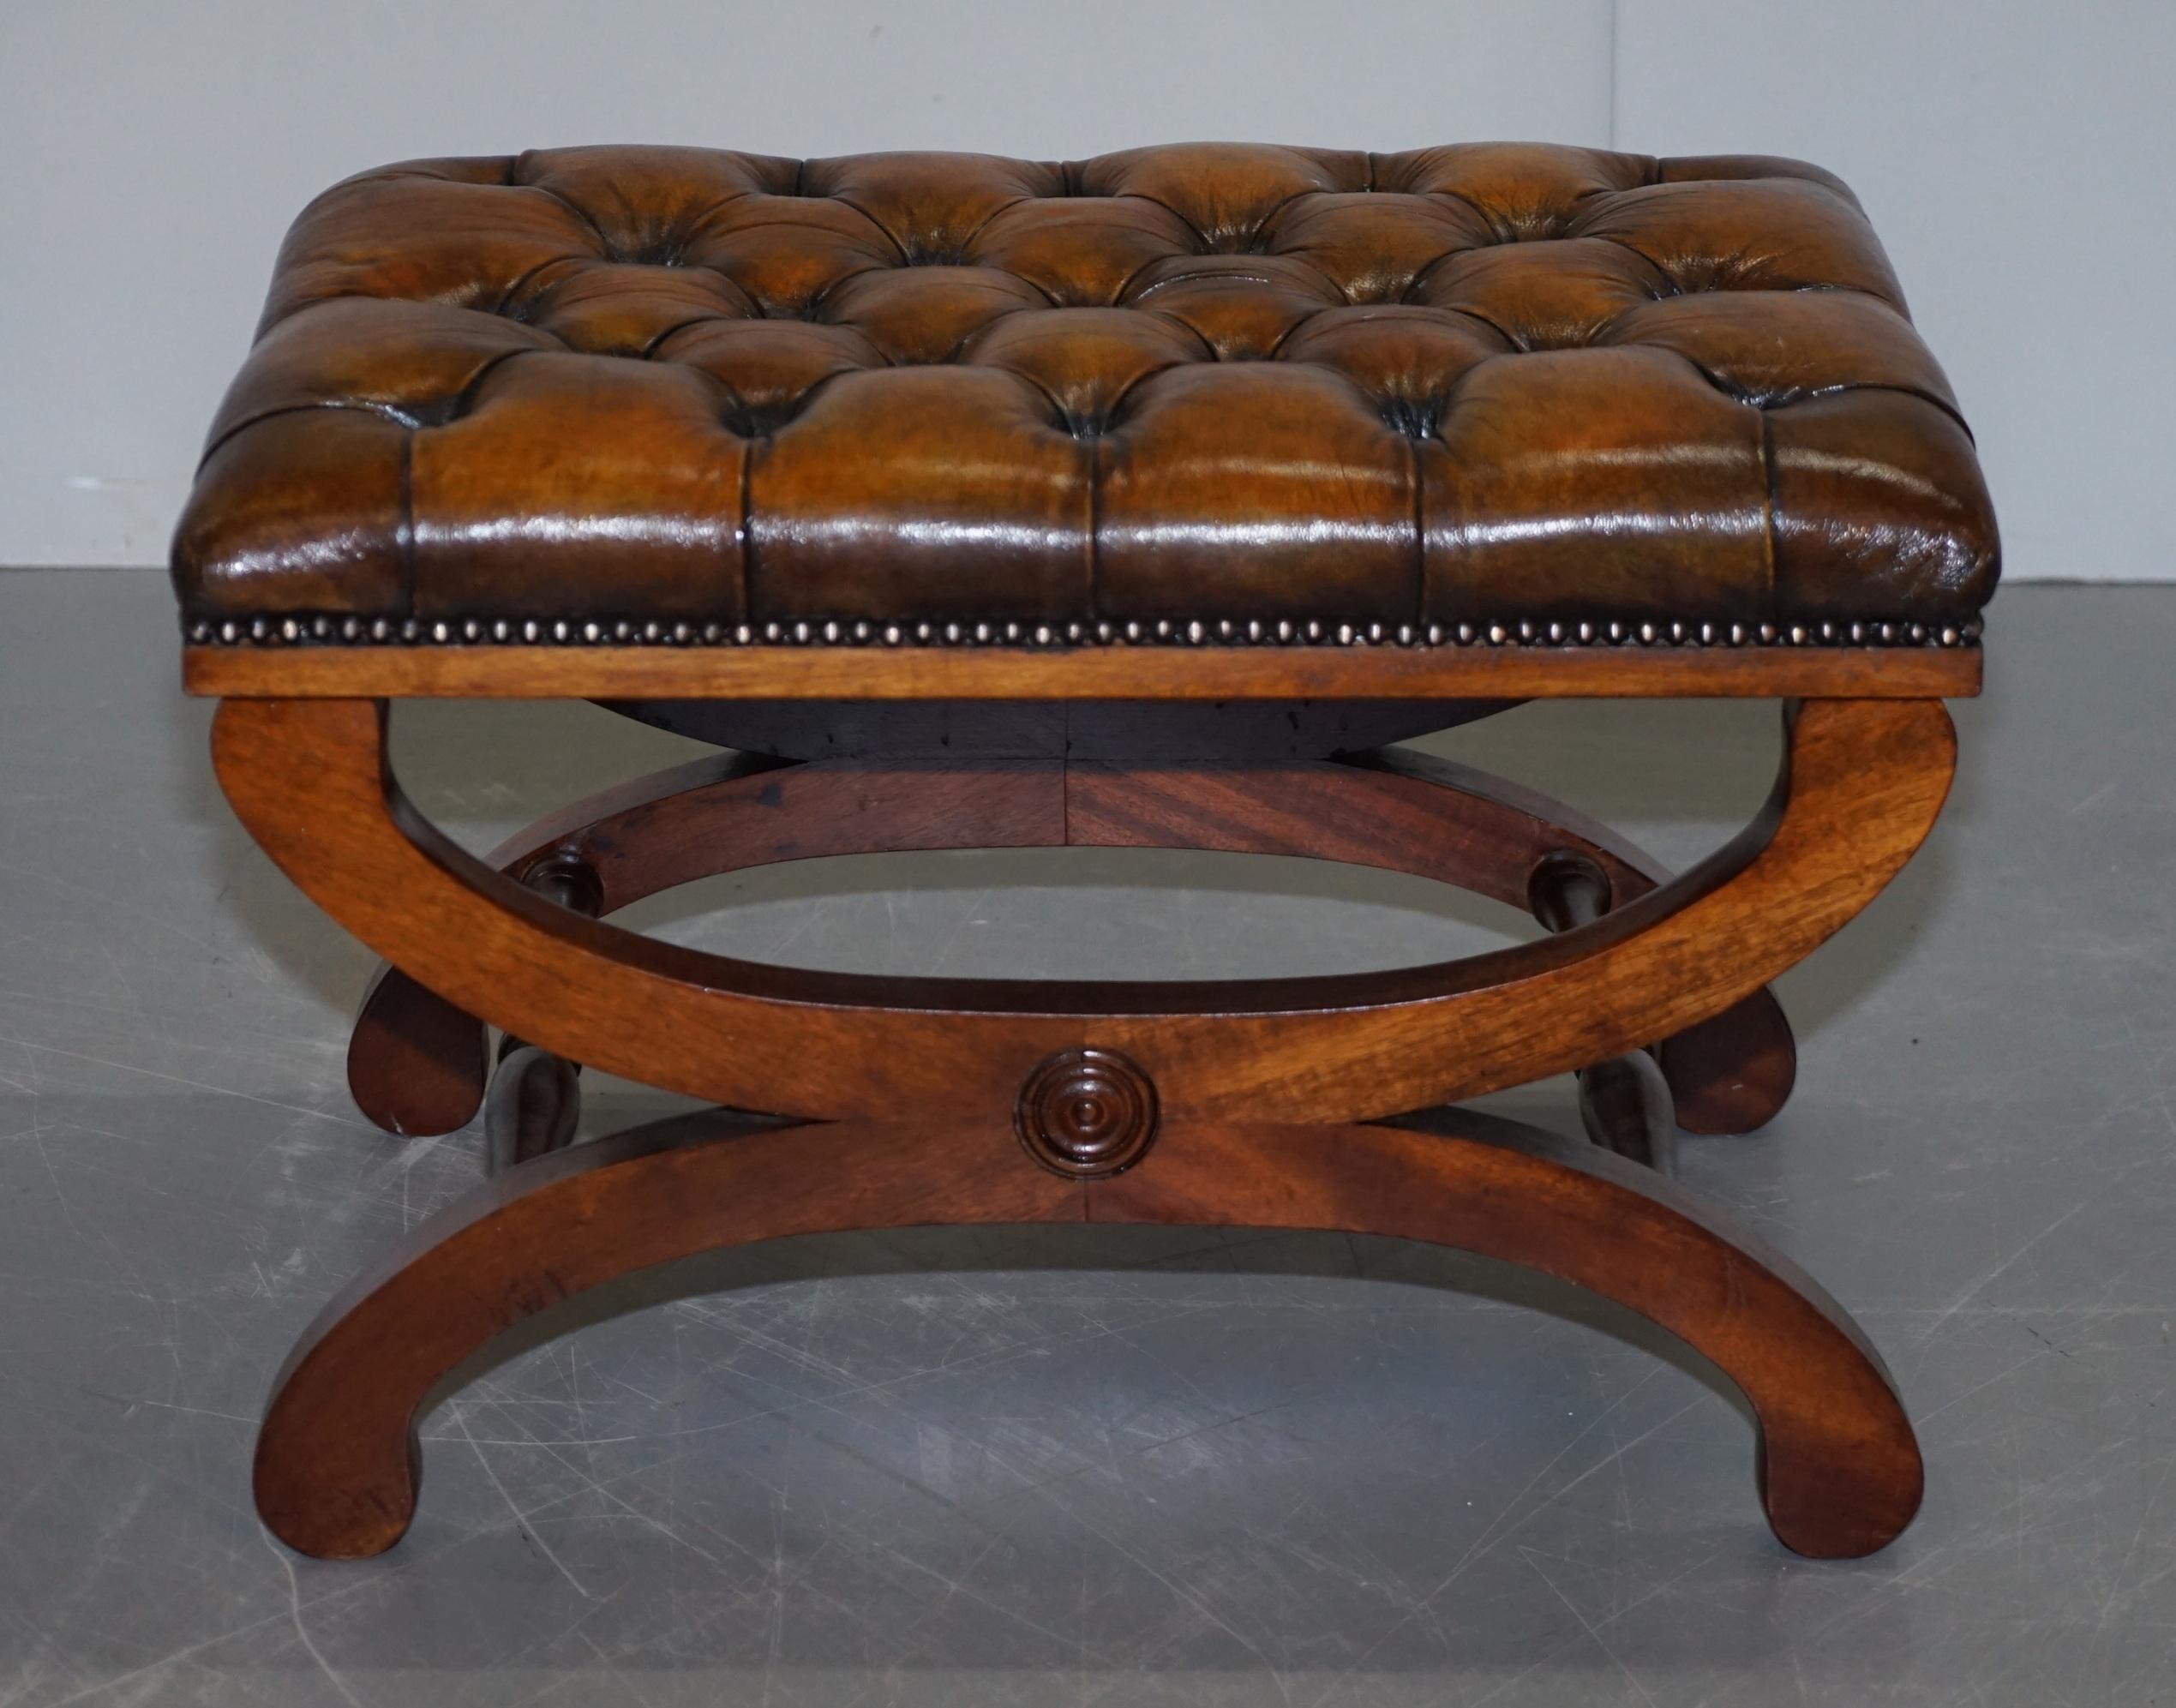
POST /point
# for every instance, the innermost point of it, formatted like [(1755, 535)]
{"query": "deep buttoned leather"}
[(1203, 381)]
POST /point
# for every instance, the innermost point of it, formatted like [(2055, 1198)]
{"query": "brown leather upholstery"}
[(1198, 382)]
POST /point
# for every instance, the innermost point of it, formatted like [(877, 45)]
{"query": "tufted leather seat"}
[(1205, 383)]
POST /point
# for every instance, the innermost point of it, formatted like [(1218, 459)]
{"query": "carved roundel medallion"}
[(1087, 1113)]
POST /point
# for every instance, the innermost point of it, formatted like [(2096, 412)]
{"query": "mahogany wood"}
[(1148, 673), (1625, 1102), (417, 1064), (1399, 810), (1730, 1074), (951, 1100), (1862, 785), (416, 1061), (1411, 812), (338, 1461)]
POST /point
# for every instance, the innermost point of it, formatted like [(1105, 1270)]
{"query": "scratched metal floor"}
[(1148, 1468)]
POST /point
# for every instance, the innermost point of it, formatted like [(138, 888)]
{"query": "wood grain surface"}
[(1860, 787), (338, 1462), (1157, 672), (416, 1061)]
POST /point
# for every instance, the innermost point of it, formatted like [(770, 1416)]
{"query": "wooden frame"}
[(1144, 672), (1284, 1103), (417, 1063), (338, 1463)]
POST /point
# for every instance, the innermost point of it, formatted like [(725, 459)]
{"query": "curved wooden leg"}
[(338, 1462), (1411, 812), (1625, 1102), (417, 1061), (417, 1064), (1838, 1466), (1862, 785)]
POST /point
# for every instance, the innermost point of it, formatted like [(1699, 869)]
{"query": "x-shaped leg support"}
[(1273, 1103)]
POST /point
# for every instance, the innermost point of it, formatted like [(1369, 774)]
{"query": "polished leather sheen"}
[(1198, 382)]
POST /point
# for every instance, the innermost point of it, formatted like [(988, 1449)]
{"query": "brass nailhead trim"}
[(321, 630)]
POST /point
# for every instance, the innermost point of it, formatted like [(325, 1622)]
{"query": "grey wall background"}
[(2016, 155)]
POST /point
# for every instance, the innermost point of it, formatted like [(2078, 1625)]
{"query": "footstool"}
[(1141, 501)]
